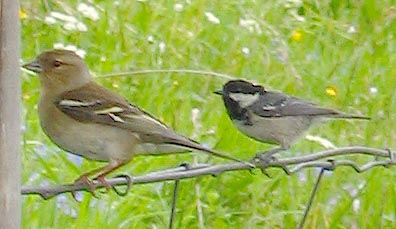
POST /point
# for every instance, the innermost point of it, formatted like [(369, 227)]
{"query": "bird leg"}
[(267, 156), (83, 179), (264, 158), (100, 174), (106, 170)]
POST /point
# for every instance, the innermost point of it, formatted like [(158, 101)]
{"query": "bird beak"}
[(218, 92), (33, 66)]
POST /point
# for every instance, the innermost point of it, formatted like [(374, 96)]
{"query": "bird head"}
[(242, 92), (60, 68)]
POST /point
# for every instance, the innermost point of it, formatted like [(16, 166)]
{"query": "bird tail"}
[(191, 144), (351, 116)]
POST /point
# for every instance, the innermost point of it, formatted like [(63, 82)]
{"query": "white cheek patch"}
[(244, 100)]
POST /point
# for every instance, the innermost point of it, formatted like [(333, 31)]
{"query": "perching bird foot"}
[(88, 184), (267, 157), (262, 164), (106, 184), (263, 159)]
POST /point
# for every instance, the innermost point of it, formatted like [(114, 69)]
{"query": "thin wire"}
[(174, 201), (150, 71), (313, 194)]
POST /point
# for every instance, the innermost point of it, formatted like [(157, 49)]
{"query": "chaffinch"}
[(88, 120)]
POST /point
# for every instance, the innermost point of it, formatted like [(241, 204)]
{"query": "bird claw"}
[(106, 184), (261, 164), (265, 172), (88, 184), (263, 159)]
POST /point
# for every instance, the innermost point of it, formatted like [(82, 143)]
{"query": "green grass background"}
[(327, 54)]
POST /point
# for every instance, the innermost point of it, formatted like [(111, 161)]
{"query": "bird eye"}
[(57, 63)]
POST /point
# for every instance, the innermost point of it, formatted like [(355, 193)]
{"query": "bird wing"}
[(95, 104), (275, 104)]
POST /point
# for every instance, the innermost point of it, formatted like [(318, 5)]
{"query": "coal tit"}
[(273, 117)]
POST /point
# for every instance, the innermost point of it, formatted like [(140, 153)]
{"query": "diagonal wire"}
[(313, 194), (174, 203)]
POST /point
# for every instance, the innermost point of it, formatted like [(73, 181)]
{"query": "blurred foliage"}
[(335, 53)]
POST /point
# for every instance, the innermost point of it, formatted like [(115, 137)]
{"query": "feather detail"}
[(116, 118), (110, 110), (75, 103)]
